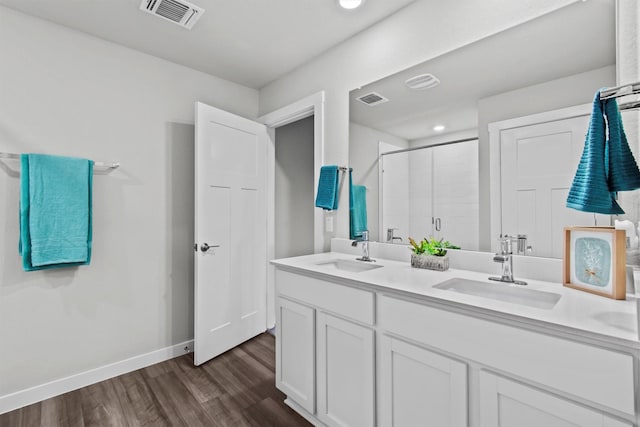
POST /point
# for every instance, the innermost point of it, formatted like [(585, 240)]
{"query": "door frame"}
[(495, 168), (312, 105)]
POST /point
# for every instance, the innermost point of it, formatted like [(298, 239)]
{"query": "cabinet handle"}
[(438, 224)]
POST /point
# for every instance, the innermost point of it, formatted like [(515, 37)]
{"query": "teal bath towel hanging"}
[(591, 190), (55, 211), (357, 209), (623, 169), (327, 197)]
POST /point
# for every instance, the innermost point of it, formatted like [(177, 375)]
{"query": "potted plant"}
[(430, 253)]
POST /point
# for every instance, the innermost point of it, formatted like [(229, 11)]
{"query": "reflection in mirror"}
[(554, 62), (443, 188)]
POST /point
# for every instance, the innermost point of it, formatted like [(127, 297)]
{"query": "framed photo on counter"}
[(594, 260)]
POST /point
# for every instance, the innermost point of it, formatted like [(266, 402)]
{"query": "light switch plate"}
[(328, 224)]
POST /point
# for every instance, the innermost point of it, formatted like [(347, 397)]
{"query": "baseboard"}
[(41, 392)]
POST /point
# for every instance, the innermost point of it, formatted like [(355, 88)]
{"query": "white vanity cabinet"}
[(508, 403), (295, 352), (346, 373), (353, 354), (417, 385), (325, 349)]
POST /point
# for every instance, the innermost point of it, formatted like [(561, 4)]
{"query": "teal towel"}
[(623, 169), (55, 211), (357, 210), (590, 190), (327, 197)]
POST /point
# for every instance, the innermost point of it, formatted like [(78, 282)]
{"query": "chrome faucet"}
[(391, 237), (505, 257), (364, 239)]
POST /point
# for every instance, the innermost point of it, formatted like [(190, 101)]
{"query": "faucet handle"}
[(505, 244)]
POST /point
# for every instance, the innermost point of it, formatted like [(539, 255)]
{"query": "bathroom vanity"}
[(365, 344)]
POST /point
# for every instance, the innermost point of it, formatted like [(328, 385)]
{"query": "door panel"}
[(230, 217), (508, 403), (295, 357), (456, 193), (419, 387), (538, 163), (345, 372)]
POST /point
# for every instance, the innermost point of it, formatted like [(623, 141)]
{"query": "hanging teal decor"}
[(623, 169), (590, 191)]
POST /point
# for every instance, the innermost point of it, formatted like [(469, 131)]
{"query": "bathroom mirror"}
[(554, 62)]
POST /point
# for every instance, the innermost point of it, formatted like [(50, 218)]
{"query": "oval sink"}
[(501, 292), (348, 265)]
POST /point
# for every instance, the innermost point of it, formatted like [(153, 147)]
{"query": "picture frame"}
[(594, 260)]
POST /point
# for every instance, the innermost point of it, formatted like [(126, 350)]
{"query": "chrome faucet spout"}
[(505, 257), (365, 247)]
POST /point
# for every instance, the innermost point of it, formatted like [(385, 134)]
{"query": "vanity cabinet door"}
[(507, 403), (346, 372), (295, 353), (419, 387)]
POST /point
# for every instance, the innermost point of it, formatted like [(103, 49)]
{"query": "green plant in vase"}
[(430, 253)]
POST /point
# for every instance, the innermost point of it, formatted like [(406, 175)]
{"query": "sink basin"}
[(502, 292), (348, 265)]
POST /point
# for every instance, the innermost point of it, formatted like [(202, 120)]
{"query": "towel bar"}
[(100, 165)]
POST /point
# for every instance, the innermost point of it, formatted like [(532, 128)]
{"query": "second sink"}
[(348, 265), (501, 292)]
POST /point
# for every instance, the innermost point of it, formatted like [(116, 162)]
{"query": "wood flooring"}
[(235, 389)]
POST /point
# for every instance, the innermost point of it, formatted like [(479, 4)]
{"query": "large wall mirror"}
[(553, 64)]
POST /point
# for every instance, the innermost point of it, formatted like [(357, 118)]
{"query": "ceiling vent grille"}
[(179, 12), (372, 98), (422, 81)]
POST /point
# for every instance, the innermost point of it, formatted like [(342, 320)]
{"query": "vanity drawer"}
[(348, 302), (589, 372)]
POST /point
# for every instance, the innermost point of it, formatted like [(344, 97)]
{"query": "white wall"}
[(363, 158), (565, 92), (294, 203), (421, 31), (62, 92)]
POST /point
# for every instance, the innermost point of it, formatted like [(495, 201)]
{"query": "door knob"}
[(205, 247)]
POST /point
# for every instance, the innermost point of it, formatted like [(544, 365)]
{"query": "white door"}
[(456, 194), (230, 231), (419, 387), (507, 403), (537, 164), (295, 356), (346, 372)]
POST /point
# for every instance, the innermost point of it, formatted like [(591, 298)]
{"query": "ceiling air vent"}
[(422, 81), (180, 12), (372, 98)]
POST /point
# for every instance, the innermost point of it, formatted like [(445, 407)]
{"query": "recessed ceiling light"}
[(351, 4), (438, 128)]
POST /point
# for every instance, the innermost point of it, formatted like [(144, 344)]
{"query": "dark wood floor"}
[(235, 389)]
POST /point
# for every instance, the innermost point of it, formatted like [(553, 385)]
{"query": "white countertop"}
[(576, 312)]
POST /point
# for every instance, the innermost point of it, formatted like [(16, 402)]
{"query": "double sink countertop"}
[(539, 304)]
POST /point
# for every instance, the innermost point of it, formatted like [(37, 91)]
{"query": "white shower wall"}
[(394, 193)]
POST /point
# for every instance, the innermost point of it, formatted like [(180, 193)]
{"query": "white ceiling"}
[(250, 42), (575, 39)]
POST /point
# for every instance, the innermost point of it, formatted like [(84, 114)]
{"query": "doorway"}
[(294, 189), (311, 106)]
